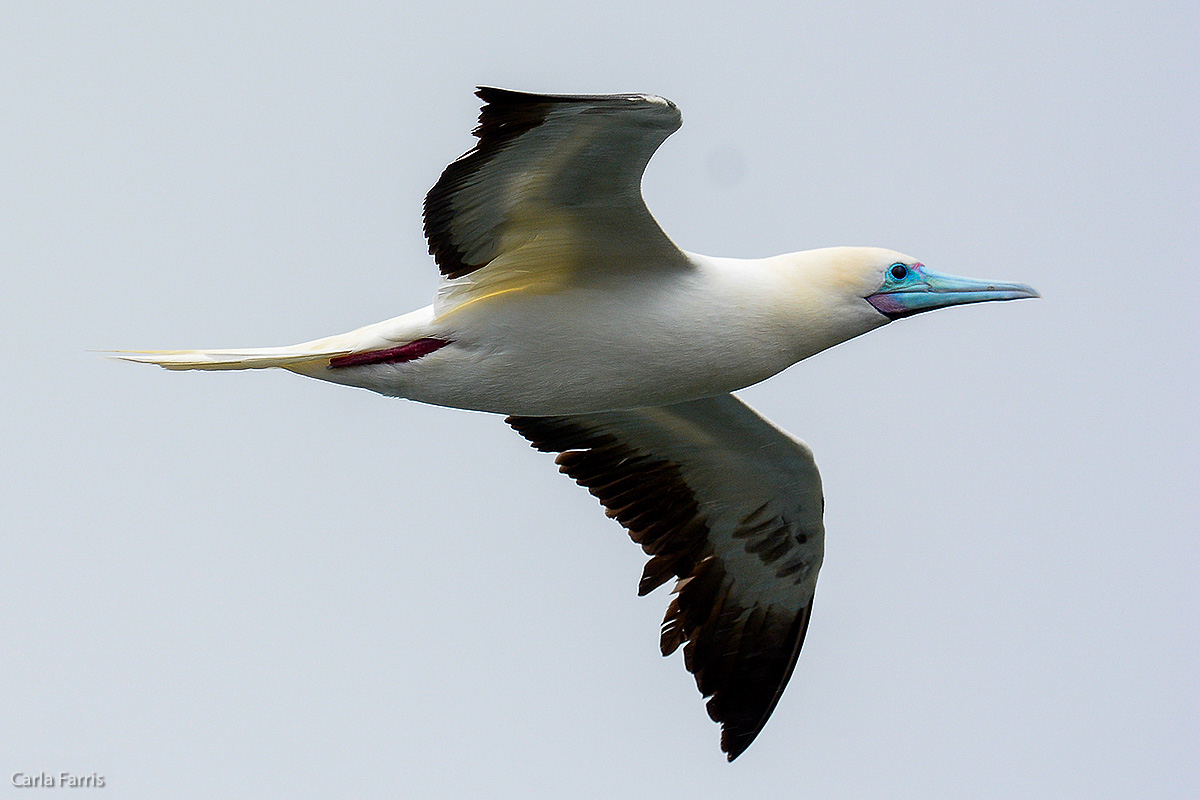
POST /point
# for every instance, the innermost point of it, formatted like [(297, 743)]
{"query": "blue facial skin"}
[(910, 289)]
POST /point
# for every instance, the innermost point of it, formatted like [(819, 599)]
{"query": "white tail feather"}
[(264, 358), (308, 358)]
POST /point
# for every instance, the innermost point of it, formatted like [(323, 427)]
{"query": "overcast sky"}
[(256, 585)]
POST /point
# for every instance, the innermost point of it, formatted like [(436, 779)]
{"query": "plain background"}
[(255, 585)]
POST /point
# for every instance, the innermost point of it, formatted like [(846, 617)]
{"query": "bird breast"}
[(594, 348)]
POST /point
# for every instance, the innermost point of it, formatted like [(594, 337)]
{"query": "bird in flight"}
[(564, 306)]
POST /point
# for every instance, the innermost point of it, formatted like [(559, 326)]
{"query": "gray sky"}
[(255, 585)]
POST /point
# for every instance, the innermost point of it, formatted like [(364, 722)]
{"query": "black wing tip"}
[(738, 734), (731, 750), (495, 95)]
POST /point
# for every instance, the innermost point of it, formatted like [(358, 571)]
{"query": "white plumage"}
[(566, 307)]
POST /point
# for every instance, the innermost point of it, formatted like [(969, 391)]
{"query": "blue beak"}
[(923, 290)]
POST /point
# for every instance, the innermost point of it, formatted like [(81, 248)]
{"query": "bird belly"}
[(581, 352)]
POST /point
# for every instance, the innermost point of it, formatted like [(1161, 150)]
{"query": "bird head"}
[(903, 287), (843, 292)]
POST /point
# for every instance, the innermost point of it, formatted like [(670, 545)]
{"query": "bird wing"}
[(552, 190), (729, 505)]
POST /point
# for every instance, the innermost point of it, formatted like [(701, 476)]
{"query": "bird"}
[(565, 307)]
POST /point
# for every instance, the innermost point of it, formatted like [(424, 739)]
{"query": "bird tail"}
[(309, 358), (261, 358)]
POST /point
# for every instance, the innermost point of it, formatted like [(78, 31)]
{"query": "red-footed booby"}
[(564, 306)]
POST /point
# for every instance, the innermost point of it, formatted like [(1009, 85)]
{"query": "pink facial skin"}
[(887, 304)]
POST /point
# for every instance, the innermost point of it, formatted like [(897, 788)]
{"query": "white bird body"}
[(565, 306), (619, 340)]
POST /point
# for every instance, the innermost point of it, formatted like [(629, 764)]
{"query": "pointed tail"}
[(401, 336), (260, 358)]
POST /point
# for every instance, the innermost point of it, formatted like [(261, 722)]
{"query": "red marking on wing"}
[(393, 355)]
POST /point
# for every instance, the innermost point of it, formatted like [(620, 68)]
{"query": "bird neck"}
[(821, 297)]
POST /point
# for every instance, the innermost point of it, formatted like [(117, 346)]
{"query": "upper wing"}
[(731, 506), (554, 182)]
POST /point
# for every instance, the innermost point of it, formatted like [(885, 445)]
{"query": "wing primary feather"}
[(730, 507), (530, 189)]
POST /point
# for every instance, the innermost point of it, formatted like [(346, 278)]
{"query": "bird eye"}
[(899, 271)]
